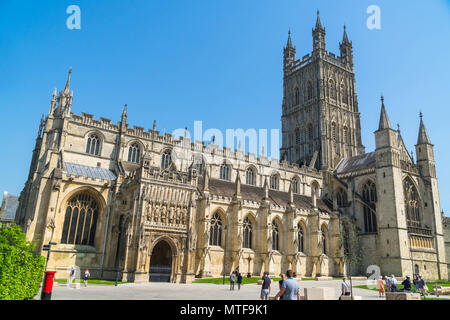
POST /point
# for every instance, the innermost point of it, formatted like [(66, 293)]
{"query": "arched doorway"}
[(161, 262)]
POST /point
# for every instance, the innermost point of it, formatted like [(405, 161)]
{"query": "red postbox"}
[(47, 288)]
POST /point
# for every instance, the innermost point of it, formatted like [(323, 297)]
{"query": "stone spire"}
[(345, 37), (319, 37), (289, 42), (423, 135), (384, 120), (67, 87), (238, 185), (41, 125), (53, 103), (291, 193), (266, 189), (206, 179), (319, 23)]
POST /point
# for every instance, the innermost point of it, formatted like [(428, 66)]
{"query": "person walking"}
[(289, 289), (345, 288), (380, 286), (422, 286), (280, 284), (265, 286), (232, 280), (388, 284), (394, 284), (239, 281), (86, 277), (71, 276), (407, 284)]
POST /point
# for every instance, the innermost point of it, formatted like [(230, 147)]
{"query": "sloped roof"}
[(89, 172), (355, 163), (256, 194)]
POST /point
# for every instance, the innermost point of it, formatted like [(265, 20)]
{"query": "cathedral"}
[(121, 201)]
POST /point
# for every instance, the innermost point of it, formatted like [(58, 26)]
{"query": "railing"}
[(420, 231)]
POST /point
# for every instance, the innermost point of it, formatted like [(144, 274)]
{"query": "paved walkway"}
[(196, 291)]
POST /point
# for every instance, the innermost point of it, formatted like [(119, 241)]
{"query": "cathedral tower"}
[(320, 118)]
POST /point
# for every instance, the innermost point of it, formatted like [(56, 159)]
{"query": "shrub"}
[(21, 268)]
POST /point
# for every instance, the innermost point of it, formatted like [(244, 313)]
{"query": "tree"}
[(352, 251), (21, 267)]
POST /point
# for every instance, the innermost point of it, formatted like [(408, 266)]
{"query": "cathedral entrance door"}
[(161, 262)]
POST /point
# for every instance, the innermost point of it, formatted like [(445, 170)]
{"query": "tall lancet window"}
[(248, 233), (275, 236), (93, 145), (134, 153), (295, 185), (215, 231), (412, 205), (301, 238), (369, 193)]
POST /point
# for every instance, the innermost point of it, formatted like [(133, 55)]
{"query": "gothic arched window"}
[(225, 172), (250, 176), (295, 185), (248, 233), (324, 240), (93, 145), (134, 153), (411, 203), (341, 198), (80, 220), (215, 231), (301, 238), (275, 236), (369, 193), (333, 131), (166, 159), (274, 182)]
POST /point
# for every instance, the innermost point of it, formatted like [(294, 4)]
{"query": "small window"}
[(274, 182), (166, 160), (250, 177), (301, 239), (134, 153), (225, 172), (93, 145)]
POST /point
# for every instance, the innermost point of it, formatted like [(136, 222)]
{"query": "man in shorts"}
[(265, 287)]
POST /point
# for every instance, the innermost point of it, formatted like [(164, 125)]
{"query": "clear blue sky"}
[(219, 61)]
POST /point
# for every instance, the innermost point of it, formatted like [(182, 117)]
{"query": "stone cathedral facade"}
[(146, 206)]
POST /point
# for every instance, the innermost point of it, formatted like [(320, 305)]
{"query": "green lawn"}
[(91, 281)]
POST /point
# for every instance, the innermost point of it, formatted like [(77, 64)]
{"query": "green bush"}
[(21, 268)]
